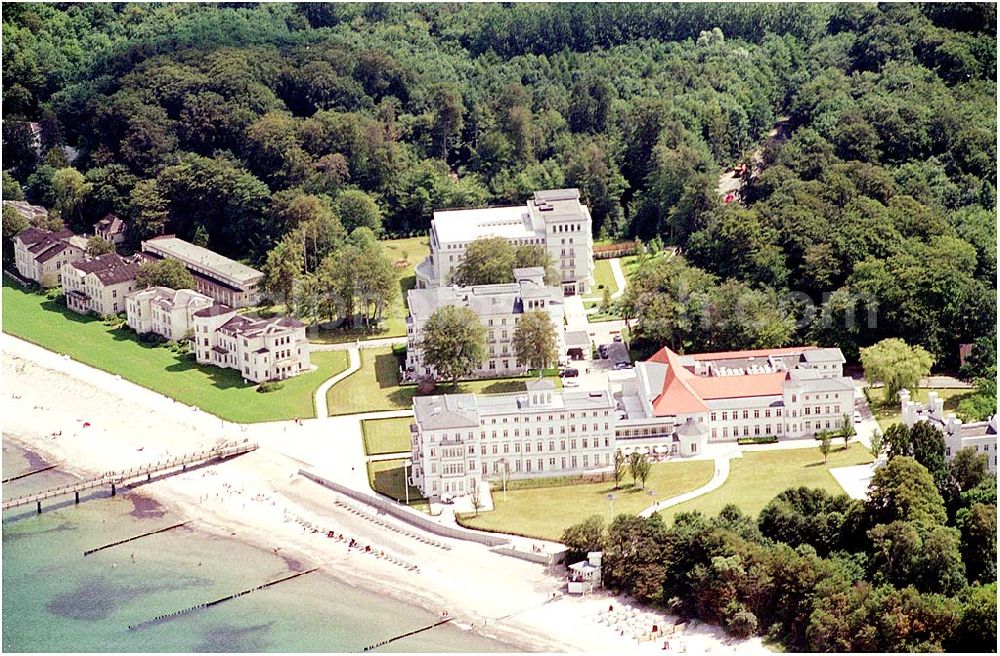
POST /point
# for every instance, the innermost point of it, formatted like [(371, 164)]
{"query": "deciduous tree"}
[(98, 245), (896, 365), (534, 340), (487, 261), (164, 273), (453, 342)]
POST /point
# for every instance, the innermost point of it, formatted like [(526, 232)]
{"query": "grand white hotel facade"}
[(675, 404)]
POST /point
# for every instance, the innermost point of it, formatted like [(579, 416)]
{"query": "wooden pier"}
[(114, 479)]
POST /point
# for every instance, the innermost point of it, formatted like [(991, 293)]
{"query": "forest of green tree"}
[(238, 125), (911, 568)]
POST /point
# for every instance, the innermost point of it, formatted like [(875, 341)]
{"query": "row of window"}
[(746, 414), (586, 443)]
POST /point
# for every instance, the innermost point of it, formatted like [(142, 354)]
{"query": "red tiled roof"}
[(677, 396), (685, 392), (730, 387)]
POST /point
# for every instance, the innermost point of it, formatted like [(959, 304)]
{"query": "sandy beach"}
[(48, 402)]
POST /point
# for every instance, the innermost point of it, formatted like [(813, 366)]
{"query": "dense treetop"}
[(194, 119)]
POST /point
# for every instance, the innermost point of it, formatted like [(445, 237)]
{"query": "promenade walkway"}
[(382, 342)]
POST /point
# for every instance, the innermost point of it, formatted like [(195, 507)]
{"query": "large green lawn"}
[(888, 414), (222, 392), (759, 476), (546, 511), (604, 278), (386, 435), (375, 386)]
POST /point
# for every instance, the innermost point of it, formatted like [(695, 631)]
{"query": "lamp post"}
[(504, 477), (611, 504), (406, 479)]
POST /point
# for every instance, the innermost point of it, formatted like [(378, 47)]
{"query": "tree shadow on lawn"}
[(503, 387), (55, 305), (386, 370)]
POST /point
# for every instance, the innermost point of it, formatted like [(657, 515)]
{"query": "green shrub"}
[(758, 439), (270, 386), (739, 620)]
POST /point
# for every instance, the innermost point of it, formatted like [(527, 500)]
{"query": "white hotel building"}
[(499, 308), (674, 404), (554, 219), (461, 439)]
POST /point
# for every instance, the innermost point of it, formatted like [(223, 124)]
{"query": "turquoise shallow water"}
[(55, 599)]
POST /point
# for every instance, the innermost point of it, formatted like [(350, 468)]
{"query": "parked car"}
[(571, 382), (447, 499), (602, 350), (617, 338), (623, 365), (857, 417), (569, 373)]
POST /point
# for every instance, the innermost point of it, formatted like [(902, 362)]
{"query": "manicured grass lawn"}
[(759, 476), (222, 392), (546, 512), (376, 386), (386, 435), (889, 414), (387, 477), (604, 276)]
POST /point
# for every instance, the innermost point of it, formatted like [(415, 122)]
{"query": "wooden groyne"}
[(27, 474), (406, 635), (117, 478), (135, 537), (216, 602)]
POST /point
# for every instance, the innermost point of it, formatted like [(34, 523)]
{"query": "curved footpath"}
[(720, 476), (319, 398)]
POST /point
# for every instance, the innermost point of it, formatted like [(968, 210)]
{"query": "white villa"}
[(164, 311), (261, 349), (39, 254), (100, 284), (676, 404), (459, 440), (225, 280), (979, 435), (554, 219), (110, 228), (499, 308)]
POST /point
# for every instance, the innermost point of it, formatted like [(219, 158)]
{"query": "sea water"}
[(57, 599)]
